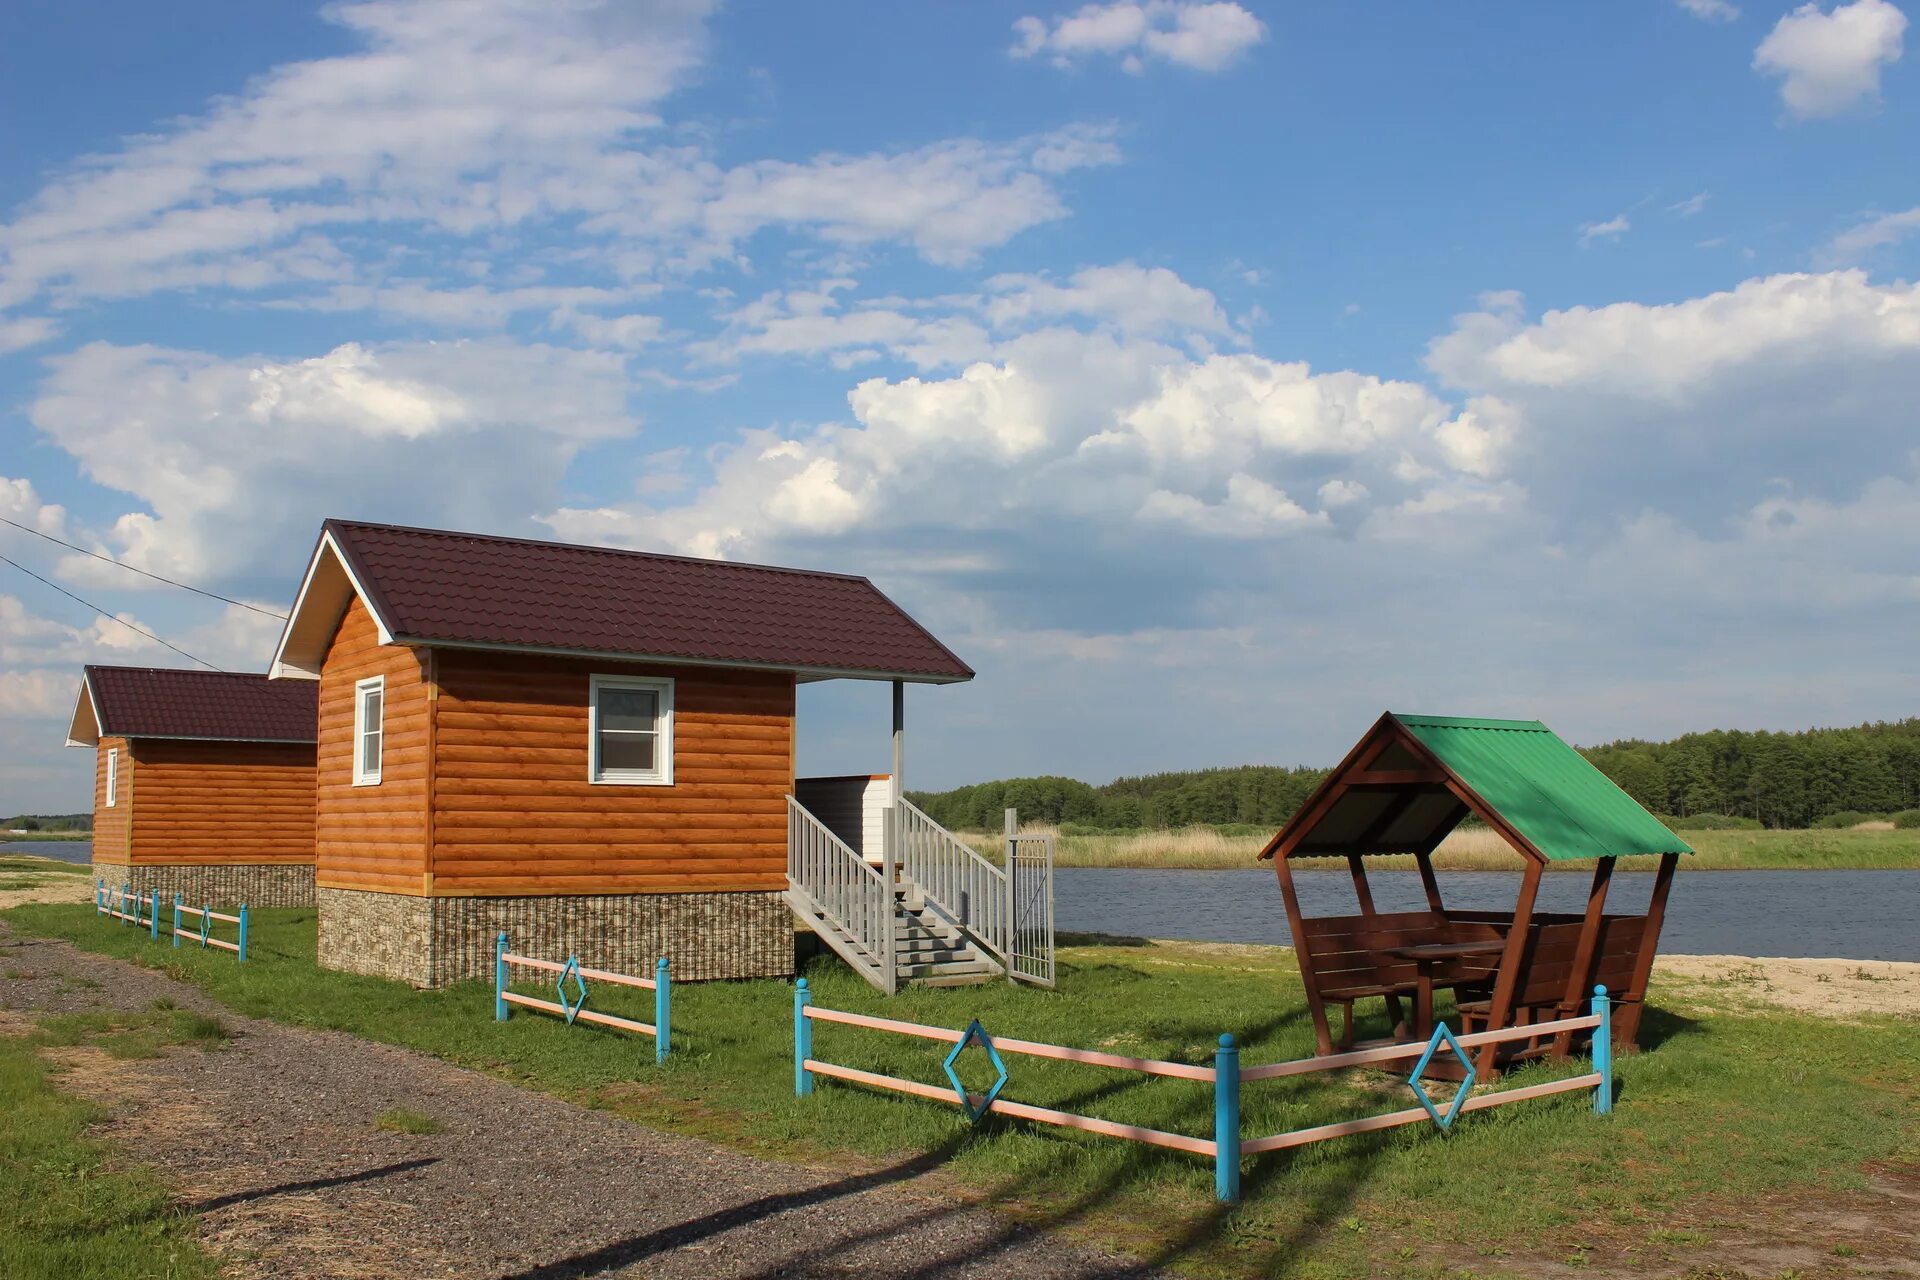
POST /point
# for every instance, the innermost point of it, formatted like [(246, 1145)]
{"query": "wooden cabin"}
[(203, 783), (591, 749), (1407, 784)]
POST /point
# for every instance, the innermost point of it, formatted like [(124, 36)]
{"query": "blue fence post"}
[(1603, 1051), (662, 1011), (153, 914), (802, 1040), (500, 977), (176, 920), (1226, 1121), (243, 933), (126, 892)]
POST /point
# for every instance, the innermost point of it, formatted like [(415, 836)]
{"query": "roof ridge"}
[(171, 671), (340, 522)]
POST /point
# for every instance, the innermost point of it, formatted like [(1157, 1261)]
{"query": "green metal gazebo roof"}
[(1548, 792)]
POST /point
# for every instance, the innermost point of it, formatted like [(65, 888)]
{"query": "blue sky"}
[(1210, 377)]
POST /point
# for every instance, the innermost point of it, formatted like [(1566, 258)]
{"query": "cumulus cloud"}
[(1189, 33), (1829, 61), (236, 460)]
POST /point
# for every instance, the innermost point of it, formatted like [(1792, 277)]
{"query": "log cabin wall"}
[(112, 825), (371, 837), (217, 803), (514, 813)]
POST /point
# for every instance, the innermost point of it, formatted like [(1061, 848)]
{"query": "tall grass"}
[(1482, 850)]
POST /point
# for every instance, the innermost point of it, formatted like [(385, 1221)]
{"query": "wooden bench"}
[(1352, 960), (1547, 975)]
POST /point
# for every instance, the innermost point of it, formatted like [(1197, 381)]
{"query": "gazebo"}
[(1407, 784)]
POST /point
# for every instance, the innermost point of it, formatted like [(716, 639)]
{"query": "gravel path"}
[(271, 1141)]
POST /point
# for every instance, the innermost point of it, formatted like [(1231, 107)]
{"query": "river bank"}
[(1481, 850)]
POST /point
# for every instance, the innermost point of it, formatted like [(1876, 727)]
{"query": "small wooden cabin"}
[(203, 783), (591, 749), (1407, 784)]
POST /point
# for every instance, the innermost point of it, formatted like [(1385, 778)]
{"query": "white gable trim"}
[(84, 729), (326, 590)]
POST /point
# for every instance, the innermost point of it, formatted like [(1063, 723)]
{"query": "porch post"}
[(899, 737)]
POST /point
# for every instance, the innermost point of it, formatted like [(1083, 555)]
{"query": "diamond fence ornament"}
[(579, 1001), (976, 1034), (1442, 1034)]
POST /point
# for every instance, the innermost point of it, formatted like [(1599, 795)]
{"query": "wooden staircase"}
[(891, 934)]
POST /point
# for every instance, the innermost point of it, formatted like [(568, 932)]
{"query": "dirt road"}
[(271, 1140)]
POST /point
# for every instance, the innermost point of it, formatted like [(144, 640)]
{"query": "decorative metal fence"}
[(203, 931), (572, 1002), (1228, 1147), (142, 909)]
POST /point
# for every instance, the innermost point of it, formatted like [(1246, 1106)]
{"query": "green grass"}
[(70, 1209), (1728, 1108), (1481, 850), (403, 1120), (23, 862)]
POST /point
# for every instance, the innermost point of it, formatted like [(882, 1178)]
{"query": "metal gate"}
[(1030, 887)]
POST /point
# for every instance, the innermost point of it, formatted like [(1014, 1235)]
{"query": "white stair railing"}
[(851, 895), (961, 885)]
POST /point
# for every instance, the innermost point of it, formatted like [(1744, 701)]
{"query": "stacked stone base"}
[(433, 942), (227, 885)]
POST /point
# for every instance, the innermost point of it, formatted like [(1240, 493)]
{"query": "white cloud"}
[(1134, 299), (1189, 33), (1872, 233), (481, 126), (1692, 206), (1710, 10), (1830, 60), (237, 460), (22, 332), (1612, 229)]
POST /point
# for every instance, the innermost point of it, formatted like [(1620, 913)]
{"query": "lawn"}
[(1481, 850), (1728, 1109), (70, 1209)]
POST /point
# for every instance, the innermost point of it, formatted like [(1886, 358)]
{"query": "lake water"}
[(1854, 915)]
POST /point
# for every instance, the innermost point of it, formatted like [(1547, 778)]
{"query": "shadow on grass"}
[(312, 1184)]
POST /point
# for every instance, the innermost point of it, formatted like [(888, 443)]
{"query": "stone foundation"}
[(255, 884), (432, 942)]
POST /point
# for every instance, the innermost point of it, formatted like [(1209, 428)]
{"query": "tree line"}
[(1778, 779)]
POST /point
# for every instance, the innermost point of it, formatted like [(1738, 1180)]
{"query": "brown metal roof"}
[(432, 586), (158, 702)]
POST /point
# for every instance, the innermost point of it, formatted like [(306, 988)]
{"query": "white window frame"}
[(662, 774), (113, 776), (363, 776)]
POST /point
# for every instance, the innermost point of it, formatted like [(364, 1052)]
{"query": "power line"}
[(212, 595), (103, 613)]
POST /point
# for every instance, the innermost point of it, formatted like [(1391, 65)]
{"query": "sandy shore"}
[(1826, 988)]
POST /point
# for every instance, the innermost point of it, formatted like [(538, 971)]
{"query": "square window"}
[(631, 731)]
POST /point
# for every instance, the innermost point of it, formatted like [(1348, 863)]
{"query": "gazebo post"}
[(1509, 978), (1429, 881), (1580, 980), (1626, 1025), (1302, 954), (1364, 895)]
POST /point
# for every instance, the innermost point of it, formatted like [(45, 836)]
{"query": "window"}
[(113, 776), (631, 725), (369, 720)]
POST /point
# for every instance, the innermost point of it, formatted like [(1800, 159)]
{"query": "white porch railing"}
[(851, 895), (961, 884)]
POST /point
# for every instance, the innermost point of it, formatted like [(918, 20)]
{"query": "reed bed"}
[(1479, 849)]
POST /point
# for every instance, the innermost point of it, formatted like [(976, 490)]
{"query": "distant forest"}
[(1776, 779), (48, 822)]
